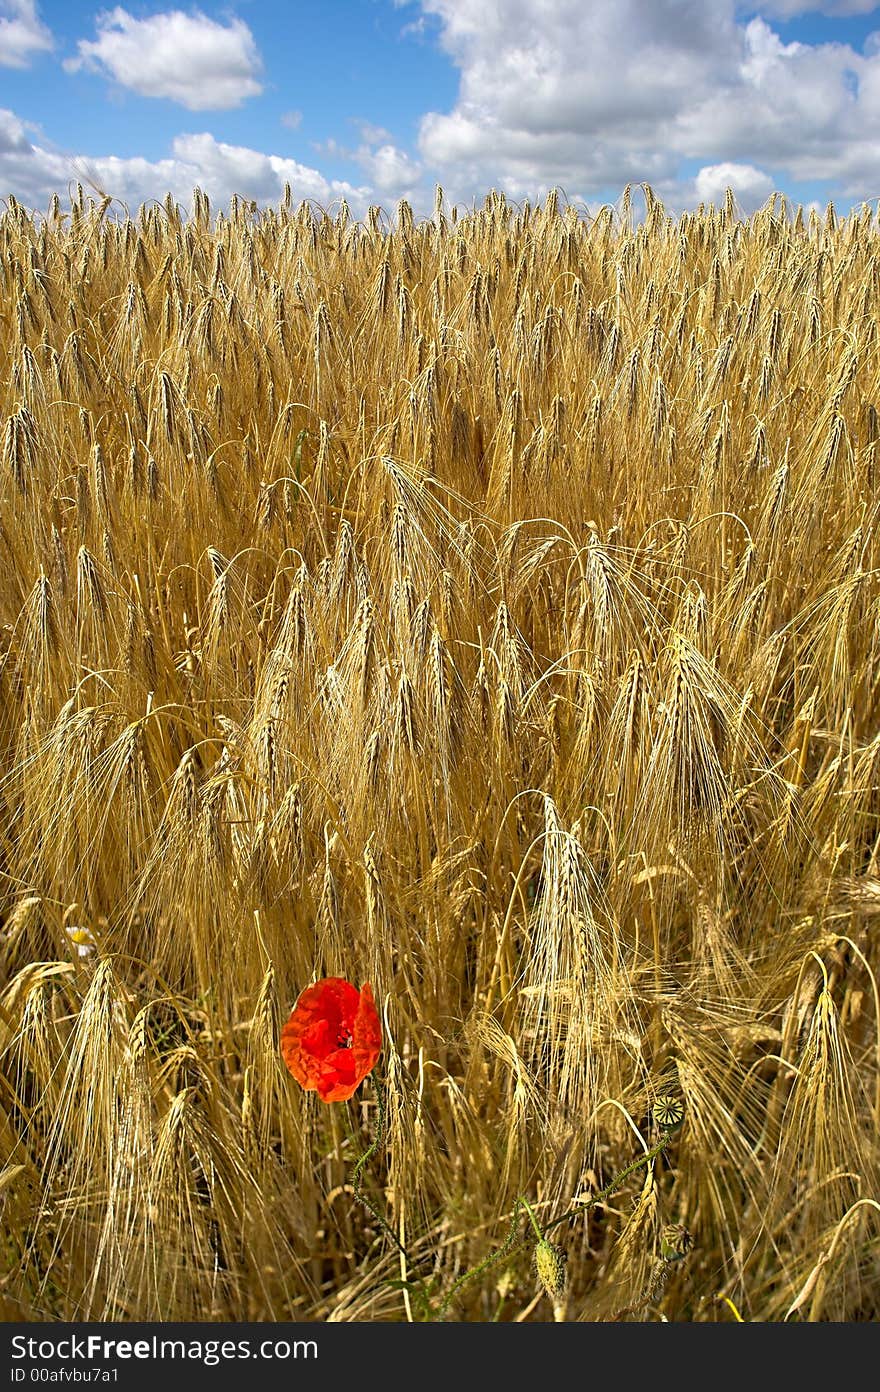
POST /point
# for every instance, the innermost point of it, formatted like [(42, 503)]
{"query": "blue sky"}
[(375, 100)]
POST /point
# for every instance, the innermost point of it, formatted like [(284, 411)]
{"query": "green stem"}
[(510, 1243), (530, 1211), (417, 1288), (493, 1257), (357, 1172), (610, 1188)]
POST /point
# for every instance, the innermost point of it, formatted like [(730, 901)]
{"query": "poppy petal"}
[(367, 1033), (332, 1038)]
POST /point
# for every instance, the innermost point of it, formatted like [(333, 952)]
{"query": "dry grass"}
[(486, 607)]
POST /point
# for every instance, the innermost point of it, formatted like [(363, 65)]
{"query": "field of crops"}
[(485, 607)]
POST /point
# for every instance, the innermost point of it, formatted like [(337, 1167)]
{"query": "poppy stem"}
[(532, 1219), (510, 1243), (610, 1188), (357, 1172), (493, 1257)]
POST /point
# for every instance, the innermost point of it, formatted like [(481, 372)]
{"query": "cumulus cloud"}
[(22, 33), (223, 169), (390, 169), (556, 92), (32, 171), (188, 58), (751, 186), (393, 173)]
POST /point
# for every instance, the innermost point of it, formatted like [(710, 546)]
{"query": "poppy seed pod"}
[(550, 1265), (668, 1114), (675, 1242)]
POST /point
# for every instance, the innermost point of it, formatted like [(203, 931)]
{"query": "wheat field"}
[(484, 606)]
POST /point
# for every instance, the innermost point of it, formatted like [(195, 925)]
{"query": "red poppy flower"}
[(333, 1038)]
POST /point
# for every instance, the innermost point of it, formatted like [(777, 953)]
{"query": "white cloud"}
[(373, 135), (13, 136), (32, 171), (22, 33), (292, 119), (223, 169), (392, 171), (29, 172), (188, 58), (416, 29), (751, 186), (590, 97)]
